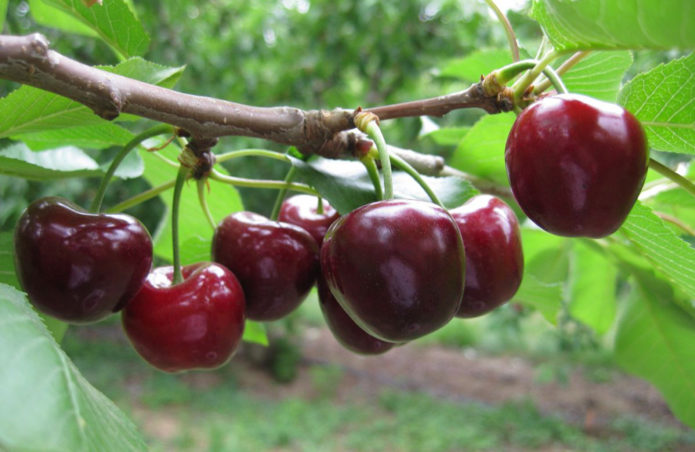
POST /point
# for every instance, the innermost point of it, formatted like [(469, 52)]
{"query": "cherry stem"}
[(676, 221), (664, 170), (319, 206), (142, 197), (412, 172), (511, 37), (373, 172), (372, 129), (175, 210), (203, 200), (252, 153), (282, 193), (261, 183), (523, 83), (494, 83), (562, 69), (132, 144)]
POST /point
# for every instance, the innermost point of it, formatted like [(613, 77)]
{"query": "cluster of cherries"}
[(387, 272)]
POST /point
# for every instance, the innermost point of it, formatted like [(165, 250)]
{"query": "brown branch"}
[(29, 60)]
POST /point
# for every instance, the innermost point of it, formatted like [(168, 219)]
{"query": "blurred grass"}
[(208, 411)]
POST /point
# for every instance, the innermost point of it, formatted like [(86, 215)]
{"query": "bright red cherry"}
[(76, 266), (494, 259), (396, 267), (302, 210), (196, 324), (576, 165), (275, 262), (344, 329)]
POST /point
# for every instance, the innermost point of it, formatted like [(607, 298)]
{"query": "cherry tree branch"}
[(29, 60)]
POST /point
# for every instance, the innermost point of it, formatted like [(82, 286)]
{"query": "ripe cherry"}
[(396, 267), (344, 329), (77, 266), (196, 324), (302, 210), (275, 262), (494, 259), (576, 165)]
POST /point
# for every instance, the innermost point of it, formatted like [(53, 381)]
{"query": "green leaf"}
[(96, 136), (46, 403), (481, 152), (49, 16), (346, 185), (476, 64), (604, 24), (255, 332), (654, 340), (599, 74), (447, 136), (663, 99), (545, 297), (3, 13), (113, 22), (31, 110), (19, 161), (7, 273), (673, 257), (592, 288)]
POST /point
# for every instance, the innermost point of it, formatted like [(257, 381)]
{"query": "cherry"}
[(196, 324), (344, 329), (275, 262), (494, 259), (576, 165), (301, 210), (396, 267), (76, 266)]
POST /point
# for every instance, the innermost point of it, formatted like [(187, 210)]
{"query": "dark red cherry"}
[(344, 329), (576, 165), (396, 267), (494, 259), (196, 324), (275, 262), (76, 266), (302, 210)]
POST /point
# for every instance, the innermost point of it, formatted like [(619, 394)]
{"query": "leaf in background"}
[(656, 340), (481, 152), (599, 74), (447, 136), (46, 403), (96, 136), (19, 161), (605, 24), (673, 257), (113, 22), (475, 64), (30, 110), (545, 297), (663, 99), (3, 13), (346, 185), (592, 288), (49, 16), (7, 274)]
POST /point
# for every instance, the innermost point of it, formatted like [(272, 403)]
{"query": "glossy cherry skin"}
[(276, 262), (344, 329), (196, 324), (397, 267), (301, 210), (494, 257), (576, 165), (76, 266)]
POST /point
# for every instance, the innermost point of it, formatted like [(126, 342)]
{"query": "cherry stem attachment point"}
[(132, 144), (664, 170), (175, 213), (509, 31), (203, 200)]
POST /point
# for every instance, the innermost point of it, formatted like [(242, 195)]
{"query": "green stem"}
[(528, 78), (175, 211), (511, 37), (260, 183), (252, 153), (132, 144), (562, 69), (282, 193), (664, 170), (319, 206), (372, 129), (203, 200), (142, 197), (412, 172), (676, 222), (555, 79), (373, 172)]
